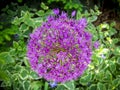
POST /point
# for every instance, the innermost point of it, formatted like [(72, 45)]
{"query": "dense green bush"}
[(15, 72)]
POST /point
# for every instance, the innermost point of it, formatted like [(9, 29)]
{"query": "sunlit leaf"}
[(44, 6), (93, 87), (36, 85), (4, 75), (85, 79), (5, 58), (40, 13), (101, 86), (69, 85)]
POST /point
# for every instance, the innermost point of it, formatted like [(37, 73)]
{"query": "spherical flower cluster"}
[(60, 50)]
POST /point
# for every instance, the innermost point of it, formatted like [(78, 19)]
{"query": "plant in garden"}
[(60, 50), (103, 71)]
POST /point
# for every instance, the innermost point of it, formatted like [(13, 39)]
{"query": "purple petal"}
[(96, 44), (83, 22), (63, 15), (56, 11), (73, 13)]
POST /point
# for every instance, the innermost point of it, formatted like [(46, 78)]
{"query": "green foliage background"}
[(18, 21)]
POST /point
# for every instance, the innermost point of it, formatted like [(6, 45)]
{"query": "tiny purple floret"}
[(96, 44), (56, 11), (73, 13)]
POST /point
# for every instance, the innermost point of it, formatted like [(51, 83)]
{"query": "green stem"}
[(46, 86)]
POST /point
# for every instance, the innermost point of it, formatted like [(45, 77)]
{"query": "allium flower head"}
[(60, 50)]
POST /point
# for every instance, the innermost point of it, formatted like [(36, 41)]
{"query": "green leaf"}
[(100, 75), (92, 18), (40, 13), (115, 83), (29, 22), (61, 87), (69, 85), (4, 75), (26, 85), (23, 28), (91, 28), (23, 74), (18, 67), (10, 12), (86, 13), (17, 21), (19, 1), (92, 87), (44, 6), (116, 51), (101, 86), (76, 6), (118, 60), (112, 24), (46, 86), (36, 85), (5, 58), (26, 62), (47, 13), (92, 11), (7, 37), (101, 35), (1, 26), (85, 79), (34, 75), (26, 18), (38, 21), (108, 76), (5, 9), (112, 31), (70, 5), (112, 66), (15, 44), (96, 8), (115, 40), (79, 15), (66, 86), (26, 14)]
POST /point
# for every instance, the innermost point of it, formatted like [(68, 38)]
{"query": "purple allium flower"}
[(73, 13), (60, 50), (96, 44)]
